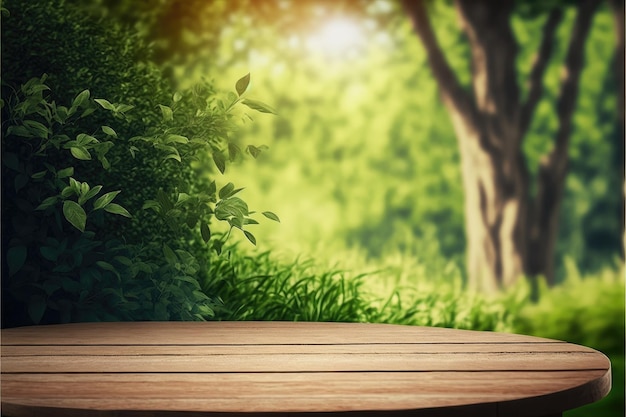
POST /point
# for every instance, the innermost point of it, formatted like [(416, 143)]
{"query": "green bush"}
[(587, 310), (70, 251)]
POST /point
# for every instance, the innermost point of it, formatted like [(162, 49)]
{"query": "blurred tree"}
[(618, 59), (510, 231)]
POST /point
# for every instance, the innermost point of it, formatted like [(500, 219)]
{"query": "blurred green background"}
[(363, 166)]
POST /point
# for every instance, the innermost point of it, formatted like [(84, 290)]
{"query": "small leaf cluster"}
[(190, 130)]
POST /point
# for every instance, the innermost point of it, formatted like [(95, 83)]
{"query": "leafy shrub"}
[(587, 310), (71, 251)]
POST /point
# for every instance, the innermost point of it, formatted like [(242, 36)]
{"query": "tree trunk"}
[(509, 232)]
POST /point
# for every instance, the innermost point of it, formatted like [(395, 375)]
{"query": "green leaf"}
[(254, 151), (233, 151), (250, 237), (37, 129), (66, 172), (51, 254), (89, 194), (177, 97), (164, 201), (80, 99), (105, 162), (85, 139), (242, 84), (212, 188), (151, 204), (259, 106), (105, 199), (220, 161), (80, 153), (192, 219), (105, 104), (75, 185), (109, 131), (217, 246), (175, 156), (190, 280), (271, 216), (117, 209), (62, 114), (87, 112), (166, 113), (226, 190), (48, 202), (107, 266), (176, 139), (67, 191), (231, 207), (39, 175), (75, 214), (36, 308), (16, 256), (169, 254), (205, 232), (19, 131), (123, 108), (84, 188)]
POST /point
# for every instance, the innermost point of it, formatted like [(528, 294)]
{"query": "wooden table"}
[(283, 368)]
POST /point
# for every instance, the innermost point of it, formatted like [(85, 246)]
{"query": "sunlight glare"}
[(337, 37)]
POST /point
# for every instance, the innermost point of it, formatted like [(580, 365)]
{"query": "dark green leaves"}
[(250, 237), (205, 232), (228, 191), (242, 84), (220, 161), (16, 256), (48, 202), (254, 151), (230, 208), (36, 128)]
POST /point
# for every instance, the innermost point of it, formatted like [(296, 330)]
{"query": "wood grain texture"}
[(281, 368)]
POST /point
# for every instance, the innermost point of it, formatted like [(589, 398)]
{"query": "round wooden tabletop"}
[(286, 368)]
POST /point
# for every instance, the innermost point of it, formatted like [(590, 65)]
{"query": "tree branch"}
[(451, 90), (553, 167), (570, 83), (539, 68)]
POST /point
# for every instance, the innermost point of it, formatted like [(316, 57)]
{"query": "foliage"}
[(65, 257), (587, 310)]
